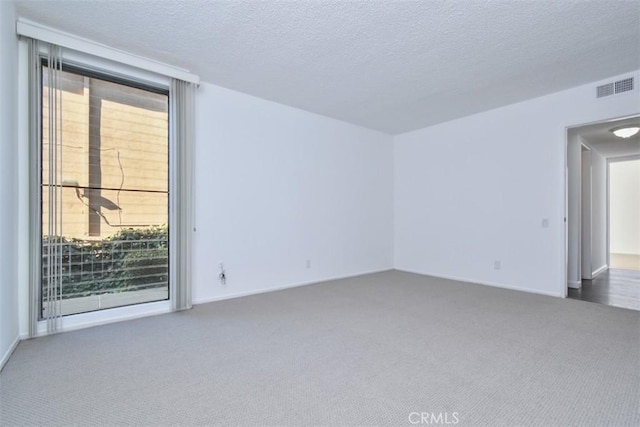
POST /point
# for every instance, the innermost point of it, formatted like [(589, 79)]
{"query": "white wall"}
[(276, 186), (598, 212), (624, 178), (593, 210), (587, 229), (8, 182), (574, 209), (586, 214), (475, 190)]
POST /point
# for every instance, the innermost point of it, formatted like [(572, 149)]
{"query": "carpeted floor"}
[(380, 349)]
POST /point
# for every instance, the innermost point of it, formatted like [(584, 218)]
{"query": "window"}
[(106, 150), (104, 187)]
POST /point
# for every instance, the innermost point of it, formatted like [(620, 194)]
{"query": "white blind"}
[(52, 157), (182, 113)]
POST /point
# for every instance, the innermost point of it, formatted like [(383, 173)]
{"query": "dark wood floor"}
[(619, 288)]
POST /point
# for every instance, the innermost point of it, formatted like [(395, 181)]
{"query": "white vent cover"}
[(624, 85)]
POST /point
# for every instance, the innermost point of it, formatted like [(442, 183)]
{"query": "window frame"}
[(94, 74)]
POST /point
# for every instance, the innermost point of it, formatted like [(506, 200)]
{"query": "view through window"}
[(104, 193)]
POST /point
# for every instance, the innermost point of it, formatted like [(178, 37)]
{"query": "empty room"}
[(319, 213)]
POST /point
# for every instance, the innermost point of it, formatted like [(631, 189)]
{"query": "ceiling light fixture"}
[(626, 131)]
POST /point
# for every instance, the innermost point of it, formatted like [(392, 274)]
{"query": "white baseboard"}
[(485, 283), (599, 271), (7, 355), (280, 288), (574, 284)]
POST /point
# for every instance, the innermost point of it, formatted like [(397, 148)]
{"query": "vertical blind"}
[(52, 246), (182, 112)]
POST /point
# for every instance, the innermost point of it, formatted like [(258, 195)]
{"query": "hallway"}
[(615, 287)]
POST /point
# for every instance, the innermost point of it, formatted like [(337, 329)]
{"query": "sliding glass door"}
[(104, 181)]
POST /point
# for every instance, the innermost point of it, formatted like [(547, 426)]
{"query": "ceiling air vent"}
[(624, 85), (605, 90), (614, 88)]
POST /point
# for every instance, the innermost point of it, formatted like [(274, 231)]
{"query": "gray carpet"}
[(369, 350)]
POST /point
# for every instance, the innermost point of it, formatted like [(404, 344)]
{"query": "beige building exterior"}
[(113, 160)]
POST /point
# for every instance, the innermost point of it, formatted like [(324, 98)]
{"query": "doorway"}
[(603, 231)]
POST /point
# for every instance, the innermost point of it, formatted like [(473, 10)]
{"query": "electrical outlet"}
[(222, 276), (545, 222), (308, 263), (497, 265)]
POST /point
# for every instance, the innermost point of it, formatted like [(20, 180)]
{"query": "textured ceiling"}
[(599, 137), (387, 65)]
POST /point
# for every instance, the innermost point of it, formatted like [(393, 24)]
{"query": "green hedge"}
[(113, 264), (146, 269)]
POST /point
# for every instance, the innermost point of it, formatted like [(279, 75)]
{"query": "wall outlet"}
[(222, 276), (545, 222), (497, 265), (308, 263)]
